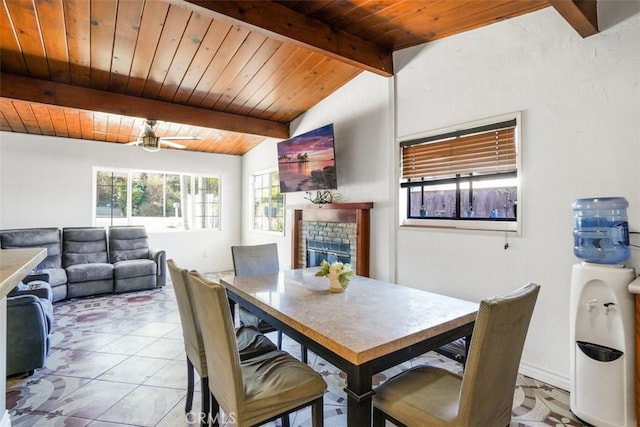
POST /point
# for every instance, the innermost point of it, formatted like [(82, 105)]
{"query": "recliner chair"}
[(29, 325), (86, 261), (136, 265)]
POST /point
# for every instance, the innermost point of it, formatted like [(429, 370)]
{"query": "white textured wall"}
[(580, 103), (47, 182), (363, 126)]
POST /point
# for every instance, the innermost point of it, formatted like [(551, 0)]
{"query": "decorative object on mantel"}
[(321, 198), (338, 274)]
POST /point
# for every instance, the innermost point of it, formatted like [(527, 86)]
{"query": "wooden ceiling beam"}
[(64, 95), (279, 22), (582, 15)]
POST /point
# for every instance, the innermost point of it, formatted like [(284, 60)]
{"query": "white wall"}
[(47, 181), (363, 125), (580, 103), (262, 159)]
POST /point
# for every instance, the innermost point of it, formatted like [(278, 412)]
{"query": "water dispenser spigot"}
[(608, 306), (590, 304)]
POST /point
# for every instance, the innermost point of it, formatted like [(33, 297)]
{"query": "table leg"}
[(359, 393)]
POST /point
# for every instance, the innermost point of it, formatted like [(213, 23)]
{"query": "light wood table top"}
[(370, 319), (15, 264)]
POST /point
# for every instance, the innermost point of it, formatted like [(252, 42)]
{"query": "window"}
[(268, 203), (463, 178), (156, 200)]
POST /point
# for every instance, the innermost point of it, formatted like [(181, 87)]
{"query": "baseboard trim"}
[(540, 374)]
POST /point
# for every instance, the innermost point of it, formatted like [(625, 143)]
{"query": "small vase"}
[(334, 285)]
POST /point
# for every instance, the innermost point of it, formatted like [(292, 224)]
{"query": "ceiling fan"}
[(151, 142)]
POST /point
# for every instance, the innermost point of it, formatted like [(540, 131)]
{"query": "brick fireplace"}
[(337, 231)]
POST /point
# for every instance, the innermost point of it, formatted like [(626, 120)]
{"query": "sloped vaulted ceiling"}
[(231, 73)]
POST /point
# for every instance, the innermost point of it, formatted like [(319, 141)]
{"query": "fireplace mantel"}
[(357, 213)]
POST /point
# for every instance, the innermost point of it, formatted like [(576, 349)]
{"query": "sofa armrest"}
[(28, 329), (160, 257), (36, 288), (42, 276)]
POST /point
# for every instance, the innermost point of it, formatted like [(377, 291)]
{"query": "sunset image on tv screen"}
[(306, 162)]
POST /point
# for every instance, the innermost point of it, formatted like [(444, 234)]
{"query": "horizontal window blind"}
[(483, 150)]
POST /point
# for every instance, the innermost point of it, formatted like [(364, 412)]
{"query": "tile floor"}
[(119, 360)]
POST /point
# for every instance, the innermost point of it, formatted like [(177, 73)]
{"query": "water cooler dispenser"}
[(602, 316)]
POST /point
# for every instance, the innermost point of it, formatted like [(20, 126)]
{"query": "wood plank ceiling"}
[(230, 73)]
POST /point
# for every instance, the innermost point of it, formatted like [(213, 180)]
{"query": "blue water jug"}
[(600, 230)]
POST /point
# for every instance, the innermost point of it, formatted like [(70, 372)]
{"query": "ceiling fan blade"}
[(136, 142), (180, 138), (171, 144)]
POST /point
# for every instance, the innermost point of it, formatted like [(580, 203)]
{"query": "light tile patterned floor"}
[(118, 360)]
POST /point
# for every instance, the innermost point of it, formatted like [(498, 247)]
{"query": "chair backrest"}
[(194, 347), (84, 245), (254, 260), (496, 347), (48, 238), (221, 348), (128, 242)]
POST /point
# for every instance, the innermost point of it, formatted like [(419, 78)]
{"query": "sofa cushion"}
[(57, 276), (135, 268), (126, 243), (84, 245), (88, 272)]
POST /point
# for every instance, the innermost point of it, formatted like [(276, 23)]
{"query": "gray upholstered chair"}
[(136, 265), (257, 390), (48, 238), (86, 261), (251, 343), (250, 261), (29, 324), (483, 396)]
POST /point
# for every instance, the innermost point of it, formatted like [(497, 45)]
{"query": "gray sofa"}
[(29, 324), (83, 261)]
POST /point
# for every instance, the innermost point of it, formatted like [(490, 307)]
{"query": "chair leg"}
[(215, 411), (378, 417), (303, 353), (317, 413), (285, 420), (206, 401), (279, 340), (190, 380)]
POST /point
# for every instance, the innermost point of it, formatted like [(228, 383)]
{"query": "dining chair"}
[(251, 343), (257, 390), (483, 395), (251, 260)]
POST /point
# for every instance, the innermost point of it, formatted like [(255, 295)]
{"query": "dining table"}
[(370, 327)]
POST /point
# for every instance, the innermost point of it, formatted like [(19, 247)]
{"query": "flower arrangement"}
[(336, 271)]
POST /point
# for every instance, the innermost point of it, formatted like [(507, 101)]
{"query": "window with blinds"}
[(466, 174)]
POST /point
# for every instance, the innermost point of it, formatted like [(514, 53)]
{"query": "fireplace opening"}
[(320, 250)]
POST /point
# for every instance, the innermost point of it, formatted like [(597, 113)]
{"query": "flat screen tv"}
[(307, 162)]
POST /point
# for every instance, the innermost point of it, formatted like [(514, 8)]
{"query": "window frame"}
[(481, 224), (130, 219), (269, 173)]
